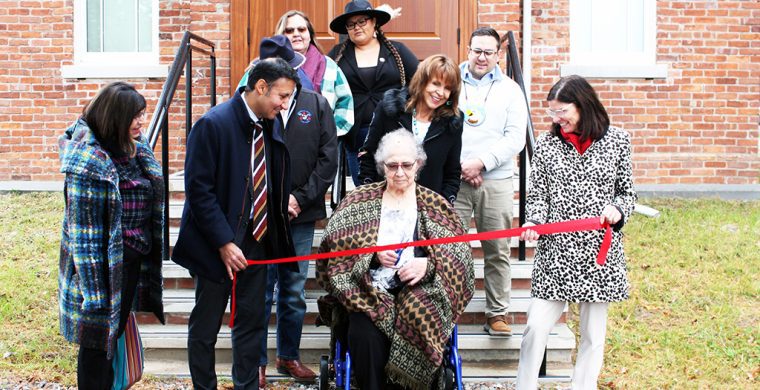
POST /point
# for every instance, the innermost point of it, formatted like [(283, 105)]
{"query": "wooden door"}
[(425, 26)]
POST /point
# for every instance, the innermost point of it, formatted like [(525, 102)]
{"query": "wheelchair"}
[(340, 371)]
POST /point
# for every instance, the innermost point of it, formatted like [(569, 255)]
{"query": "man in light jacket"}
[(495, 119)]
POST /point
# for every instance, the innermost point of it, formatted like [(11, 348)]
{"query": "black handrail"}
[(515, 72), (159, 123)]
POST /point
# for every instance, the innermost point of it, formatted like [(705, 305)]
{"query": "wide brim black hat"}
[(360, 7)]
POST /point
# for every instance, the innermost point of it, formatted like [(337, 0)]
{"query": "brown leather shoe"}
[(498, 326), (295, 369), (262, 377)]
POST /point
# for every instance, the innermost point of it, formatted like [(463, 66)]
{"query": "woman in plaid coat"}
[(111, 245)]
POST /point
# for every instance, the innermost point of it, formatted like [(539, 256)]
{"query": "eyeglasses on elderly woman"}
[(394, 166)]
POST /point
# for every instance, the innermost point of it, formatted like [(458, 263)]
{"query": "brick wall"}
[(700, 124), (36, 104)]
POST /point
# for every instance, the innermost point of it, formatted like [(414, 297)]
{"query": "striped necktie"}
[(259, 184)]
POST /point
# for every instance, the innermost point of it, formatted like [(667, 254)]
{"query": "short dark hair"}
[(593, 122), (486, 32), (110, 114), (270, 70)]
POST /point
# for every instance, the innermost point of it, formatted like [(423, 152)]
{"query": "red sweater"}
[(575, 140)]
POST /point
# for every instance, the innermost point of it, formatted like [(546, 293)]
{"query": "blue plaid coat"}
[(90, 265)]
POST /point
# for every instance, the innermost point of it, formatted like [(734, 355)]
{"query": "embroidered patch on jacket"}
[(304, 116)]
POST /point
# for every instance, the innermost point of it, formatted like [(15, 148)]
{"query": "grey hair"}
[(391, 142)]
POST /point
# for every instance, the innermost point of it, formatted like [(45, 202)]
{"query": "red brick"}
[(711, 87)]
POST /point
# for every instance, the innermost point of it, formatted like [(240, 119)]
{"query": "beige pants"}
[(542, 315), (492, 205)]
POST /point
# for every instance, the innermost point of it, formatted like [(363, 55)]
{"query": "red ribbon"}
[(577, 225)]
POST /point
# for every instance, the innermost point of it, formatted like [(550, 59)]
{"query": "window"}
[(614, 39), (115, 38)]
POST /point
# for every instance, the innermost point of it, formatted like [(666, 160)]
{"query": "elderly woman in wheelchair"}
[(396, 310)]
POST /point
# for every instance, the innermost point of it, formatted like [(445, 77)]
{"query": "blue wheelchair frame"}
[(451, 360)]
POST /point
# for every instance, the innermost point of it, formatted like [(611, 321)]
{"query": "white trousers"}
[(542, 316)]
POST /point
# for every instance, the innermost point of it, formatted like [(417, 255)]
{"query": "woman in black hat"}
[(372, 64)]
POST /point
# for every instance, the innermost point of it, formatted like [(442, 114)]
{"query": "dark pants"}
[(288, 286), (250, 323), (369, 349), (94, 369), (352, 152)]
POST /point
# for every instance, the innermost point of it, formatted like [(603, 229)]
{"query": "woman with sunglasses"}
[(581, 169), (323, 73), (372, 64)]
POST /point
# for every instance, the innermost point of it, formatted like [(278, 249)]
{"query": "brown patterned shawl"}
[(420, 319)]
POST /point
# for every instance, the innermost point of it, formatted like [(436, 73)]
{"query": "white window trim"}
[(618, 65), (112, 65)]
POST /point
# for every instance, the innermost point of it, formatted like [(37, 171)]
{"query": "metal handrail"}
[(159, 123), (514, 70), (181, 58)]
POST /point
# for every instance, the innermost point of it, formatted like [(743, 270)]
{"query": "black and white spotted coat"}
[(566, 185)]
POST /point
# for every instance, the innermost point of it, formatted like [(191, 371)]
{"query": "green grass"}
[(30, 344), (691, 322), (692, 319)]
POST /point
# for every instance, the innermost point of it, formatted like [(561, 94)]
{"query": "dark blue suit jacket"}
[(218, 189)]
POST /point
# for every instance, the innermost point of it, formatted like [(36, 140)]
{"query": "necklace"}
[(416, 127), (476, 113)]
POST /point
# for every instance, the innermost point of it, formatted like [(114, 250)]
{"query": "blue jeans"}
[(352, 152), (291, 301)]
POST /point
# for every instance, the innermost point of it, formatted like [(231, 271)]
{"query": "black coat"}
[(218, 190), (442, 144), (312, 141), (387, 76)]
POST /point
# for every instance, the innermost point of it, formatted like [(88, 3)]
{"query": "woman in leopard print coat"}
[(581, 169)]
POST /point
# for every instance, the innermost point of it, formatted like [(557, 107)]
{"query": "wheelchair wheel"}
[(449, 379), (324, 373)]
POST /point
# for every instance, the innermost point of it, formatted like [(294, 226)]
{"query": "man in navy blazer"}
[(216, 234)]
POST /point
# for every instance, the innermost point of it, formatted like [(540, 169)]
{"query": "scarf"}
[(314, 67), (575, 140), (419, 320)]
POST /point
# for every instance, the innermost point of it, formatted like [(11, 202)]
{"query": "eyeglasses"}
[(558, 113), (487, 53), (406, 166), (291, 30), (359, 22)]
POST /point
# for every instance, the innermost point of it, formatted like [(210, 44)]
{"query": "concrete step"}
[(477, 248), (177, 277), (177, 205), (178, 303), (521, 270), (483, 356), (502, 373), (177, 184)]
